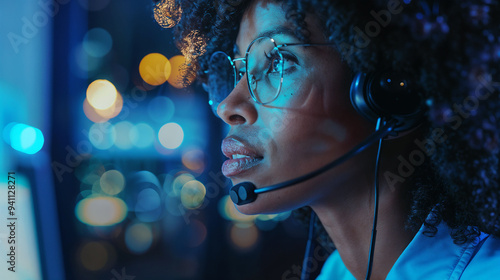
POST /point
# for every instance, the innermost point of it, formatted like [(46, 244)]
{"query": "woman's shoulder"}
[(436, 257), (485, 263)]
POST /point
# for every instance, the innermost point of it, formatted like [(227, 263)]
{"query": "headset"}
[(389, 99)]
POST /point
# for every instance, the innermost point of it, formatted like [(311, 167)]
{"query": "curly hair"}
[(451, 49)]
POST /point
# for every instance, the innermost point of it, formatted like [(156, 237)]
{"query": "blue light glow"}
[(97, 42), (102, 135), (123, 133), (161, 109), (26, 139), (142, 135), (148, 205)]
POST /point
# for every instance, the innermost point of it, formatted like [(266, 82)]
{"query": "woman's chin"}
[(264, 206), (249, 209)]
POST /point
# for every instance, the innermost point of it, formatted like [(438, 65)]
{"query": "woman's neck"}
[(349, 223)]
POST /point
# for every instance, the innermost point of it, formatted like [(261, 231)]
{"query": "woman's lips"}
[(242, 156)]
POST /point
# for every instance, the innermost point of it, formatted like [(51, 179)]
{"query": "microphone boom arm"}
[(379, 134)]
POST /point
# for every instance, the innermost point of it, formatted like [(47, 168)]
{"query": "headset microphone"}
[(386, 95), (388, 99), (246, 192)]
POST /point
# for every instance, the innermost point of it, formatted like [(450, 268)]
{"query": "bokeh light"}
[(101, 211), (112, 182), (138, 238), (155, 69), (6, 131), (101, 94), (97, 115), (24, 138), (94, 256), (91, 113), (89, 171), (148, 206), (122, 133), (244, 237), (192, 194), (171, 135), (97, 42), (178, 183), (194, 160), (102, 135), (86, 65), (161, 109), (178, 73), (229, 212), (96, 188), (142, 135)]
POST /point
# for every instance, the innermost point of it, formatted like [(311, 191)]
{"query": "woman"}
[(280, 73)]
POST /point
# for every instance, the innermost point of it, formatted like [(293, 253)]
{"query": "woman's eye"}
[(279, 63), (276, 65)]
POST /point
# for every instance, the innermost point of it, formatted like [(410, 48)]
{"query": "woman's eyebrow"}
[(279, 30)]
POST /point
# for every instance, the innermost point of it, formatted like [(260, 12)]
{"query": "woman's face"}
[(308, 125)]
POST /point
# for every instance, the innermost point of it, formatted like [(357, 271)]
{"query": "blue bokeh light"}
[(142, 135), (97, 42), (25, 138)]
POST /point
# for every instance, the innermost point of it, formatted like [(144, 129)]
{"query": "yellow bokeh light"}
[(101, 94), (179, 182), (244, 237), (230, 212), (176, 78), (112, 182), (155, 69), (101, 211), (100, 116), (94, 256), (192, 194), (91, 113), (114, 110)]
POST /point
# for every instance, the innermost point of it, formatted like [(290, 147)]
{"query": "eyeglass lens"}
[(264, 69)]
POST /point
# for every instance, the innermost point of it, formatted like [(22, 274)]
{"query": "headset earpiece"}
[(387, 95)]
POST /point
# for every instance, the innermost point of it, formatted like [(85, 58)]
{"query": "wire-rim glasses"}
[(265, 65)]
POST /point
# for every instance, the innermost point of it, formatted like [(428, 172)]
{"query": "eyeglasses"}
[(266, 65)]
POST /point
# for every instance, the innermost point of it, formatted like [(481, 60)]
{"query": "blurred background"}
[(117, 163)]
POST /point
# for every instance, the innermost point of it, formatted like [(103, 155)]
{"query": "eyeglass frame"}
[(245, 59)]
